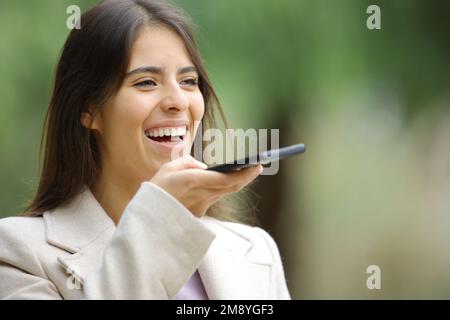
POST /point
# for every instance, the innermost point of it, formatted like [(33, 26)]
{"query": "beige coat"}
[(76, 252)]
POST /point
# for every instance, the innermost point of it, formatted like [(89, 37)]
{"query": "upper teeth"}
[(160, 132)]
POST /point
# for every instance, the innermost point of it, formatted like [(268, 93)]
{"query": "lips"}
[(166, 135)]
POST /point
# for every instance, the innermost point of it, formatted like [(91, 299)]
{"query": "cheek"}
[(136, 106), (198, 107), (126, 114), (133, 109), (197, 113)]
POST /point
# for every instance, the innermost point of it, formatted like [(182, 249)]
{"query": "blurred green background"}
[(372, 106)]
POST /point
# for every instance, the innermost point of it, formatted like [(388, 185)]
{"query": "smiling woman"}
[(115, 216)]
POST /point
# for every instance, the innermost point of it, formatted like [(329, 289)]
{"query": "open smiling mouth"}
[(171, 136)]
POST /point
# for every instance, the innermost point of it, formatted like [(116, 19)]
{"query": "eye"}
[(145, 83), (190, 82)]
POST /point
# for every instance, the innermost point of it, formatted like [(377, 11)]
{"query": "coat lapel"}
[(87, 260), (84, 229)]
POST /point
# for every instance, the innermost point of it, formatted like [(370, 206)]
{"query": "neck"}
[(114, 193)]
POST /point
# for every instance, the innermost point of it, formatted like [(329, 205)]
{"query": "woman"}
[(115, 217)]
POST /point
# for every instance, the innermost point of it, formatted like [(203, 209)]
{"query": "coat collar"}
[(83, 228), (78, 223)]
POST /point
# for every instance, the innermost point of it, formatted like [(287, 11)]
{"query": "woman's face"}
[(159, 96)]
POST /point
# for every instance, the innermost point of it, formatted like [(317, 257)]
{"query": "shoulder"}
[(21, 239), (252, 233), (22, 229), (261, 242)]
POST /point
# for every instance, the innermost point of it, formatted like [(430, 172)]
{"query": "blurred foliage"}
[(372, 107)]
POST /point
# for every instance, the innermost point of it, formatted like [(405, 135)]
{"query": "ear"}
[(90, 120)]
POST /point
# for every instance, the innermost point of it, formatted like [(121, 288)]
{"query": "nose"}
[(174, 99)]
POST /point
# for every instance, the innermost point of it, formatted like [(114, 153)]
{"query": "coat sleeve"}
[(156, 246), (279, 279)]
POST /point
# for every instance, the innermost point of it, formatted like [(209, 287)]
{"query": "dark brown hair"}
[(91, 69)]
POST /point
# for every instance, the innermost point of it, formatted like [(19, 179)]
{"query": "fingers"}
[(188, 181), (241, 184), (217, 180), (199, 178), (185, 162)]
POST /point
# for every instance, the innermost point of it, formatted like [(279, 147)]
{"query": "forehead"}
[(160, 46)]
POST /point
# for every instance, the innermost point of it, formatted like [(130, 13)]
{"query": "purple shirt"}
[(193, 289)]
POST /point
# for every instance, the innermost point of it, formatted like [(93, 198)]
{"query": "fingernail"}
[(203, 165)]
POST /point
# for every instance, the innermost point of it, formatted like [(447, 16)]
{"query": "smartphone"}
[(263, 158)]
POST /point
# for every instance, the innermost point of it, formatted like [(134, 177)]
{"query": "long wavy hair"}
[(90, 70)]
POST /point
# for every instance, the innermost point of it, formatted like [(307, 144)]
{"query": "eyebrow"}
[(159, 70)]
